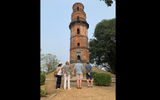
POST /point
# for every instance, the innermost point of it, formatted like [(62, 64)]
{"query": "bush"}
[(43, 93), (42, 80), (102, 79), (93, 74)]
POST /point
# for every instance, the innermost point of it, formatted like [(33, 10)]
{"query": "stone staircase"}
[(73, 79)]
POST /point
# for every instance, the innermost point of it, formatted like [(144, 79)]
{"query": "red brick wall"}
[(80, 13), (81, 38)]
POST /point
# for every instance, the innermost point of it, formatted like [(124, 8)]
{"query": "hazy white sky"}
[(55, 20)]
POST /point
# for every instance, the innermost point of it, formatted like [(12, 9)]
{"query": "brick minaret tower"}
[(78, 35)]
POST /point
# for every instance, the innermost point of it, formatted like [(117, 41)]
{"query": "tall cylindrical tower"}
[(78, 35)]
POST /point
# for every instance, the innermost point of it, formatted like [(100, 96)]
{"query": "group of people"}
[(66, 71)]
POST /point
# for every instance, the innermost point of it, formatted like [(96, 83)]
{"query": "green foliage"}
[(48, 62), (94, 74), (43, 92), (102, 79), (43, 78), (103, 46), (108, 2)]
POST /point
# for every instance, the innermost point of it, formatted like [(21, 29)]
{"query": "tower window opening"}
[(78, 31), (78, 18), (77, 8), (78, 57), (78, 44)]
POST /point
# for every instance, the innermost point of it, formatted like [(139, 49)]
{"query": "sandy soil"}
[(95, 93)]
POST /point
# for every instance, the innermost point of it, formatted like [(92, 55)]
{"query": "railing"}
[(78, 22)]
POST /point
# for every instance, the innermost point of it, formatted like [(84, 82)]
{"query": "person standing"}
[(88, 68), (66, 71), (78, 72), (59, 75)]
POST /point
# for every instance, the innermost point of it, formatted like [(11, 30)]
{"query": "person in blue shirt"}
[(88, 68), (78, 72)]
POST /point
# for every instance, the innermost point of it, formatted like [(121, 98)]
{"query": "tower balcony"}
[(78, 22)]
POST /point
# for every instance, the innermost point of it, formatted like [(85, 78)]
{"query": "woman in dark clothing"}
[(59, 75)]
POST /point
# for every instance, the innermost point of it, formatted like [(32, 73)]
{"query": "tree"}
[(48, 62), (108, 2), (103, 46)]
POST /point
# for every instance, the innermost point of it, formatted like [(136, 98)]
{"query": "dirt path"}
[(95, 93)]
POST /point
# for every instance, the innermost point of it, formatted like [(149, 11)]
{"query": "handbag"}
[(55, 74)]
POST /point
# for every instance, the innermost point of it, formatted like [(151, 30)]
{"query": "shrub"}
[(102, 79), (93, 74), (42, 80), (43, 93)]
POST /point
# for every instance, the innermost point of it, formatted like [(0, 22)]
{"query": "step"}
[(84, 80), (74, 80), (113, 80)]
